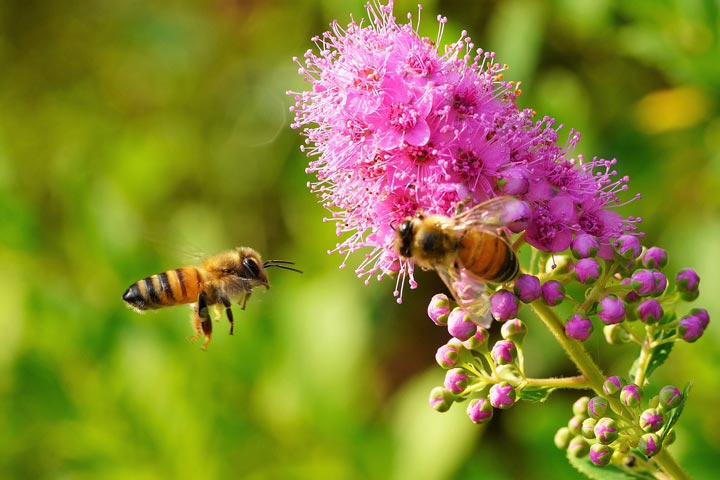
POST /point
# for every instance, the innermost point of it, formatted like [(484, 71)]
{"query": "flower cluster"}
[(621, 426), (632, 289), (492, 376), (394, 126)]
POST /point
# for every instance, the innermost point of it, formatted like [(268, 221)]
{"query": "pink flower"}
[(393, 126)]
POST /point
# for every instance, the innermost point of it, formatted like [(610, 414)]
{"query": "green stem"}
[(594, 377), (642, 364), (670, 466), (579, 382)]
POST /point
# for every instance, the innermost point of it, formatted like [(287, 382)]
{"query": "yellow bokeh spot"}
[(671, 109)]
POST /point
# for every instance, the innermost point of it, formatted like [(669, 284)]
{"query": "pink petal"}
[(419, 134)]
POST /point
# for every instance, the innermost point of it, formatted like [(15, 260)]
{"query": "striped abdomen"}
[(488, 256), (181, 285)]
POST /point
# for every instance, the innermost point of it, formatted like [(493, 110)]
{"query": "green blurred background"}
[(136, 135)]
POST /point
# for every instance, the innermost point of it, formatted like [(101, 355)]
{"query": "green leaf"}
[(658, 355), (667, 319), (609, 472), (535, 394)]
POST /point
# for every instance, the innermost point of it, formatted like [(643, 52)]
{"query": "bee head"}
[(248, 266), (404, 237)]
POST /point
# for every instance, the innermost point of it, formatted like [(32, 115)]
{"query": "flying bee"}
[(222, 278), (465, 250)]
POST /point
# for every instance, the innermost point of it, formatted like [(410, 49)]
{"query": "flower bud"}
[(503, 305), (597, 406), (479, 410), (660, 283), (478, 342), (503, 352), (642, 282), (655, 257), (691, 327), (441, 399), (649, 311), (613, 385), (447, 355), (651, 420), (456, 380), (611, 310), (527, 288), (562, 438), (600, 454), (514, 329), (687, 282), (649, 444), (631, 395), (702, 315), (552, 292), (502, 395), (584, 246), (575, 424), (628, 246), (587, 429), (606, 430), (587, 270), (670, 397), (578, 327), (578, 447), (439, 309), (460, 325), (580, 406), (514, 181)]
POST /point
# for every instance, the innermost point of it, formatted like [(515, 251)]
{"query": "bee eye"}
[(252, 266)]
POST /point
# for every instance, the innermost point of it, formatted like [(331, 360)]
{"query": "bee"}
[(465, 250), (222, 278)]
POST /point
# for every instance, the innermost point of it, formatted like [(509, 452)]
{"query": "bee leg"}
[(460, 206), (519, 242), (228, 310), (245, 298), (202, 320), (196, 323), (207, 331)]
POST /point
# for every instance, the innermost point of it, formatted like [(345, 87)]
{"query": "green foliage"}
[(535, 394), (609, 472), (134, 135), (658, 355)]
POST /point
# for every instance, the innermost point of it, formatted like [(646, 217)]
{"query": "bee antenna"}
[(274, 262), (284, 264)]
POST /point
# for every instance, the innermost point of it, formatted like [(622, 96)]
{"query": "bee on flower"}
[(398, 125)]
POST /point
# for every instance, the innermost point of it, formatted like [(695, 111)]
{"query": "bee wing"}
[(469, 292), (495, 213)]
